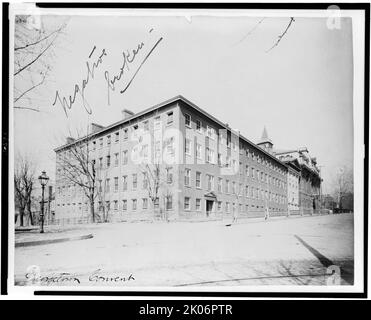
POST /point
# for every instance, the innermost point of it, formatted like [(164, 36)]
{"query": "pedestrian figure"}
[(234, 216), (266, 215)]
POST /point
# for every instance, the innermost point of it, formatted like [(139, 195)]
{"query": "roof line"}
[(117, 123), (229, 128), (162, 104)]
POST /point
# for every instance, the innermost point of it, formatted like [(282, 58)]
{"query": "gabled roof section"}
[(292, 162)]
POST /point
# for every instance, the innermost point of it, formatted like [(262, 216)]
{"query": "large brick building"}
[(305, 177), (202, 166)]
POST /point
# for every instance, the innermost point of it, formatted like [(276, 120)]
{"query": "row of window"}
[(107, 183), (114, 205), (228, 206), (249, 190), (230, 187), (249, 171), (134, 130), (134, 204), (211, 133), (142, 152)]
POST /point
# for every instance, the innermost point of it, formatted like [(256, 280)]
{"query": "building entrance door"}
[(209, 207)]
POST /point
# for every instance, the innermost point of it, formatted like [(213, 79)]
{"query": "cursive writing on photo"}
[(66, 103), (128, 58), (63, 277), (112, 79), (97, 276)]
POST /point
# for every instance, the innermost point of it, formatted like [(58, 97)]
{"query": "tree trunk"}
[(154, 216), (91, 200), (21, 214), (29, 212)]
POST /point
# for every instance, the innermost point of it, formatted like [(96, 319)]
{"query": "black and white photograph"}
[(186, 149)]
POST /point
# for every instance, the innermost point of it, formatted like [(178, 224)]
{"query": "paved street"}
[(288, 251)]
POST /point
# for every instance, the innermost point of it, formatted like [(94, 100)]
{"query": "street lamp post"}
[(43, 178)]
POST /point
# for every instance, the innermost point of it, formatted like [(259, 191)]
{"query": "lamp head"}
[(43, 178)]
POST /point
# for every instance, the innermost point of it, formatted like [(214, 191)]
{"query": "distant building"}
[(309, 179), (293, 185), (328, 202)]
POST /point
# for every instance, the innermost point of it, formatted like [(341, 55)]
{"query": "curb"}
[(245, 220), (26, 229), (41, 242)]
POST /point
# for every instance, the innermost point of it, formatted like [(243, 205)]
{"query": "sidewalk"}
[(248, 219), (243, 220), (53, 235)]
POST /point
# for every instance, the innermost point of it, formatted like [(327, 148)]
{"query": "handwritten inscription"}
[(94, 63), (98, 277), (67, 278), (63, 277), (67, 103), (128, 58)]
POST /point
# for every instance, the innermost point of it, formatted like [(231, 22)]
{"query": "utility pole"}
[(320, 188)]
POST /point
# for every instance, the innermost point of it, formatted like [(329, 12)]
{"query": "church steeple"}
[(264, 135), (265, 142)]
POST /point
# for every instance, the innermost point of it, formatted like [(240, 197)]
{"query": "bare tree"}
[(75, 165), (158, 177), (34, 44), (167, 189), (152, 175), (236, 192), (342, 184), (24, 179), (103, 190)]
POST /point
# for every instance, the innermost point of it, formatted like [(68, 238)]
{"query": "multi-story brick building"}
[(305, 178), (203, 168), (293, 186)]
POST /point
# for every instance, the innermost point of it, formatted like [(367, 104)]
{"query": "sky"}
[(301, 90)]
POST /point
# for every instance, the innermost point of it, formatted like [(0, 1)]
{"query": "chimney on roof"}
[(95, 127), (126, 113), (69, 140)]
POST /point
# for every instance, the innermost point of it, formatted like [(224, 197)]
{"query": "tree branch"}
[(37, 57), (40, 40), (282, 35), (27, 108), (251, 31), (31, 88)]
